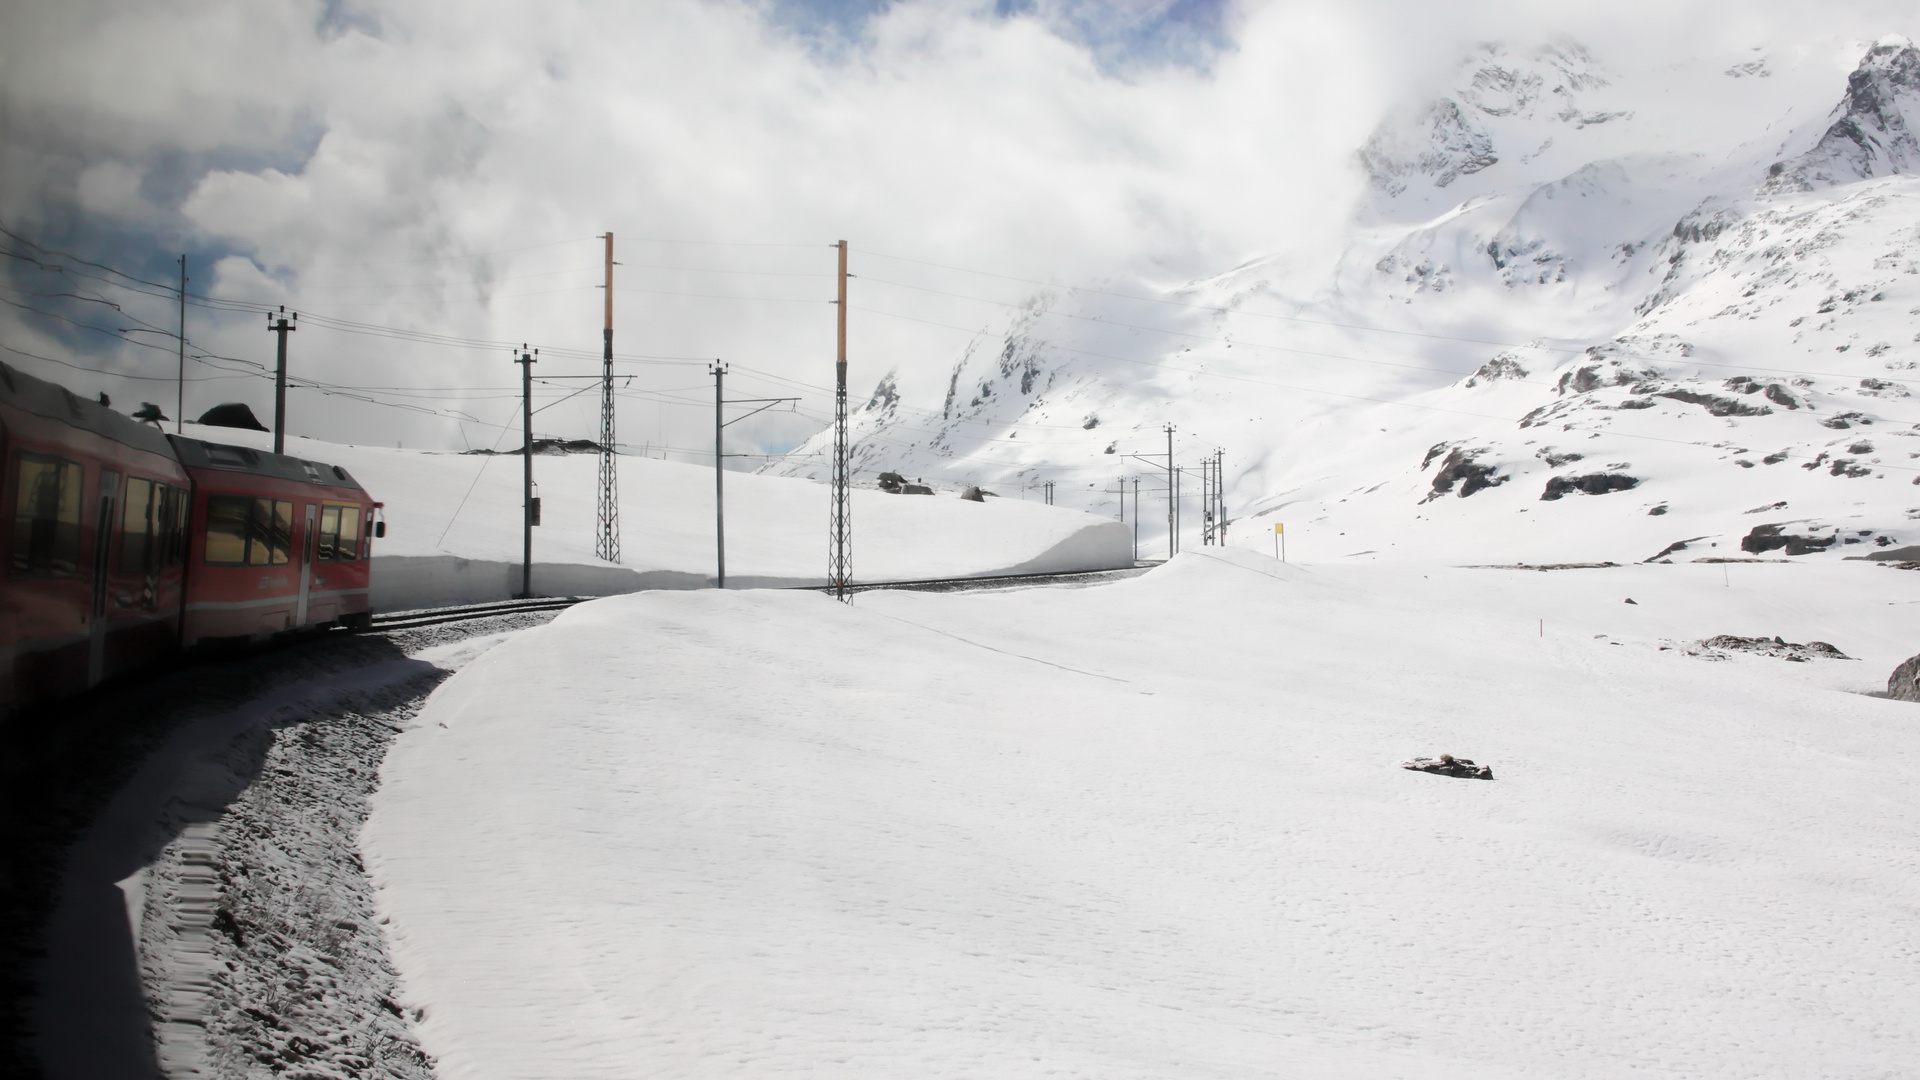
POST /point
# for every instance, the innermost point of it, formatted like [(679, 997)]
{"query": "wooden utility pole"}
[(526, 485), (180, 397), (283, 327)]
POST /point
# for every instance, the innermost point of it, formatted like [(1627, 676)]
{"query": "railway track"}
[(406, 620), (1005, 581)]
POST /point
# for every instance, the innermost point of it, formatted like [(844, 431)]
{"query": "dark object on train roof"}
[(232, 414)]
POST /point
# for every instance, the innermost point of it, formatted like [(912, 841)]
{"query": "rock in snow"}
[(1904, 683), (1448, 765)]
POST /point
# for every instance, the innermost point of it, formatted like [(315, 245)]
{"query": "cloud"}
[(444, 168)]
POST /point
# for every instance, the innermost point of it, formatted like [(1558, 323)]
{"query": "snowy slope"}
[(467, 507), (1157, 829), (1556, 276)]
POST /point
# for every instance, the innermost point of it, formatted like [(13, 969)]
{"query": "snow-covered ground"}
[(454, 517), (1157, 828)]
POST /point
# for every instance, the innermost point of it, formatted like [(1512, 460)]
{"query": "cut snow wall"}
[(409, 582)]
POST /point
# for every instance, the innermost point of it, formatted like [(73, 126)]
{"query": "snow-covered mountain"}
[(1554, 334)]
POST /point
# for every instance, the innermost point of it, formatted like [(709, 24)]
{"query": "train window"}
[(177, 505), (329, 532), (46, 518), (246, 531), (282, 531), (136, 525), (227, 528), (270, 533), (349, 544), (260, 533), (166, 500)]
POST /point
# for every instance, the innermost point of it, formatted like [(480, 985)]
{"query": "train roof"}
[(200, 454), (38, 397)]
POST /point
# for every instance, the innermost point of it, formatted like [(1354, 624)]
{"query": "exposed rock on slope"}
[(1875, 134)]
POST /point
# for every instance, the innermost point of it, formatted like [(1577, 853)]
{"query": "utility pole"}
[(180, 399), (1170, 494), (719, 371), (283, 327), (1136, 516), (607, 541), (1048, 486), (1176, 507), (840, 525), (1220, 495), (1206, 501), (526, 486)]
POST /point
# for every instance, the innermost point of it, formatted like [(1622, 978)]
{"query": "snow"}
[(1159, 828)]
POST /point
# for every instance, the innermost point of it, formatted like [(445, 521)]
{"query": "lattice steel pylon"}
[(607, 540), (840, 517)]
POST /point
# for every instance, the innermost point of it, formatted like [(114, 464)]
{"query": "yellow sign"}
[(1278, 528)]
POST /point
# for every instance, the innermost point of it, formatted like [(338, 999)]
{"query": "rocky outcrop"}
[(1777, 647), (1875, 133), (894, 484), (1442, 145), (1904, 683), (1715, 404), (1462, 468), (1765, 538), (1590, 484)]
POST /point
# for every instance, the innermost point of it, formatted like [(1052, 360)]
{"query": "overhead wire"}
[(118, 279)]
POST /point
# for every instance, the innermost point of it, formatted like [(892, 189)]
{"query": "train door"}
[(306, 566), (102, 549)]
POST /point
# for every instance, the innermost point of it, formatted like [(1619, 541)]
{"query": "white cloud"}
[(369, 157)]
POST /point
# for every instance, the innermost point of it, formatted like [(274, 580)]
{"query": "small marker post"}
[(1280, 541)]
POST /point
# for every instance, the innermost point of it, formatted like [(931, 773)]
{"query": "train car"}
[(278, 543), (93, 531)]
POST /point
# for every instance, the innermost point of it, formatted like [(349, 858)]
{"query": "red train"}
[(124, 543)]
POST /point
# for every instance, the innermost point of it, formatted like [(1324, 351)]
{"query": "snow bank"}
[(454, 531), (1159, 828)]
